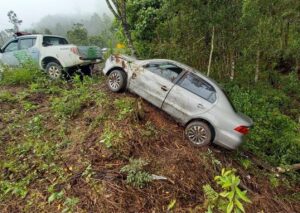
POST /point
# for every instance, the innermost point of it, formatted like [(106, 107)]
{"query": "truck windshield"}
[(51, 41)]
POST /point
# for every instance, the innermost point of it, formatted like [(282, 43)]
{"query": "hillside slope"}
[(63, 146)]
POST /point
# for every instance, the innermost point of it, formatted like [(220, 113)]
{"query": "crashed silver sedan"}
[(194, 100)]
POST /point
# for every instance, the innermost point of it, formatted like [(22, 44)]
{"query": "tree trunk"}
[(298, 68), (232, 69), (120, 14), (211, 51), (257, 71), (129, 39)]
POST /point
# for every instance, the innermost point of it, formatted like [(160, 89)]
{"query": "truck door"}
[(8, 53)]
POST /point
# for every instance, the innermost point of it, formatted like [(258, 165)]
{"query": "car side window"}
[(166, 70), (12, 46), (27, 43), (198, 86)]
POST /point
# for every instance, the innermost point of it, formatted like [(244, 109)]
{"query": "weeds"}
[(24, 75), (210, 157), (7, 97), (136, 176), (111, 138), (72, 101), (230, 199), (125, 107)]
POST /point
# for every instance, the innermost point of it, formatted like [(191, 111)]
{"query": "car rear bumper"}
[(228, 139)]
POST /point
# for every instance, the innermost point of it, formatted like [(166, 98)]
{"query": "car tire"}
[(54, 70), (117, 81), (198, 133)]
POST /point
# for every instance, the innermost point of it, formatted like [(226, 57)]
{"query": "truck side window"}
[(51, 41), (27, 43), (12, 46)]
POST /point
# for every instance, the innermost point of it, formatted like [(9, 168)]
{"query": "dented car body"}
[(193, 99)]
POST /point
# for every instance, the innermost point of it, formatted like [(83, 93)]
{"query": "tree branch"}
[(112, 9)]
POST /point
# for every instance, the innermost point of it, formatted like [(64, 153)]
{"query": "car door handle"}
[(200, 106), (164, 88), (133, 76)]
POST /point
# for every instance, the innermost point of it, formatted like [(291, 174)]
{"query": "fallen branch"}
[(289, 168)]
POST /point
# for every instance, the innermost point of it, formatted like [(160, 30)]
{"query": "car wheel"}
[(117, 80), (198, 133), (54, 70)]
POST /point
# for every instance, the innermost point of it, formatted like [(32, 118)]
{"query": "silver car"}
[(193, 99)]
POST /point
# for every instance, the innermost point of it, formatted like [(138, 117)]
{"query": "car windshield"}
[(51, 41)]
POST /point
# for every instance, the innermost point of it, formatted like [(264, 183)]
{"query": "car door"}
[(190, 97), (27, 50), (154, 80), (8, 54)]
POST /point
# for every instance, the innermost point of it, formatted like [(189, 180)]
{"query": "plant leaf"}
[(229, 207), (239, 205), (171, 204)]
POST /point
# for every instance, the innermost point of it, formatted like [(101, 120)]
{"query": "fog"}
[(32, 11)]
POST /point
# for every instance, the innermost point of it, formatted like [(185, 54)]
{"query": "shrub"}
[(274, 136), (23, 75), (135, 174), (230, 199)]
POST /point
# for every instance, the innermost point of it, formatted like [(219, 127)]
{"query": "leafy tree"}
[(47, 31), (15, 21), (118, 8), (78, 34)]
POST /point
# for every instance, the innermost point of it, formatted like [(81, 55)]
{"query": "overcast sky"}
[(31, 11)]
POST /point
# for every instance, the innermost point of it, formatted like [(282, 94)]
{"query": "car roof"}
[(188, 68)]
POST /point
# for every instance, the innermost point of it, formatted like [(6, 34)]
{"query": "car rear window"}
[(198, 86), (51, 41)]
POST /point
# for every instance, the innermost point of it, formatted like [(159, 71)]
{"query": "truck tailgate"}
[(89, 52)]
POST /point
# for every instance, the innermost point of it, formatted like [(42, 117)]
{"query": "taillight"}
[(242, 129), (75, 50)]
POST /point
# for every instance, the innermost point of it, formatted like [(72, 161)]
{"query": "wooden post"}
[(257, 66), (211, 51)]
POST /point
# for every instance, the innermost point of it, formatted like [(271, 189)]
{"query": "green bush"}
[(24, 75), (136, 176), (275, 136)]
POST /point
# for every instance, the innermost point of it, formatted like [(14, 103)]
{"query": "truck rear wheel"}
[(54, 70)]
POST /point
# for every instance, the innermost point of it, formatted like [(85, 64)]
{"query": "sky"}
[(31, 11)]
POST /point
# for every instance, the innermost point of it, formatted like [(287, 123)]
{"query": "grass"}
[(51, 158), (21, 75)]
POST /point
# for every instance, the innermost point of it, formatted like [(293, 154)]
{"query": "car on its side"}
[(193, 99), (53, 53)]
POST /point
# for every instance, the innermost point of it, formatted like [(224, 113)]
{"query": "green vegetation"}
[(230, 199), (24, 75), (136, 176), (125, 107), (275, 135), (252, 48)]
